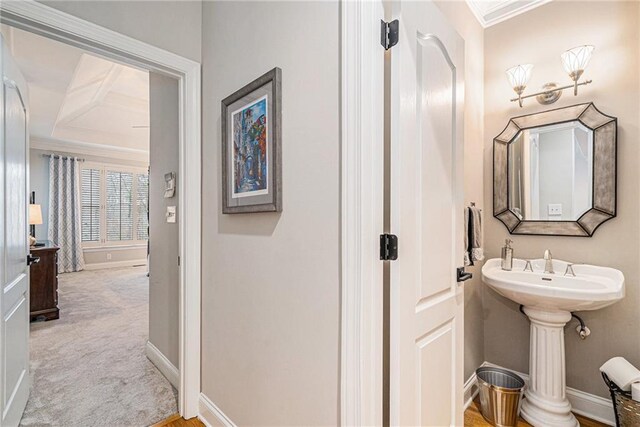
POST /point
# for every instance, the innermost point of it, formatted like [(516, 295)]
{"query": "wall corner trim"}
[(588, 405), (361, 216), (163, 364), (211, 415), (470, 390)]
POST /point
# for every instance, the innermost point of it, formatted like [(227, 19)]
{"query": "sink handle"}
[(569, 271), (528, 266)]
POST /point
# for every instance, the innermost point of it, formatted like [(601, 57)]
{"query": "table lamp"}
[(35, 218)]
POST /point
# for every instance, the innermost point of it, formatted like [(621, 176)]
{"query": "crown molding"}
[(88, 149), (502, 10)]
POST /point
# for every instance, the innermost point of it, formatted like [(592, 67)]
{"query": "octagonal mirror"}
[(555, 172)]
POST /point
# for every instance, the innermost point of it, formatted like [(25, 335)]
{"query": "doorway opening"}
[(108, 45), (99, 332)]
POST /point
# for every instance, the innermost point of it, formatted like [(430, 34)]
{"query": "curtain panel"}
[(64, 212)]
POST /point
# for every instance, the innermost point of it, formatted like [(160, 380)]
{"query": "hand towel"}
[(621, 372), (475, 219), (635, 391), (467, 250)]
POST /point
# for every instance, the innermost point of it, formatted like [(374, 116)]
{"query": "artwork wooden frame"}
[(252, 147), (604, 198)]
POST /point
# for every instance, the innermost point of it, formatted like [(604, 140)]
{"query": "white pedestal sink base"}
[(546, 403)]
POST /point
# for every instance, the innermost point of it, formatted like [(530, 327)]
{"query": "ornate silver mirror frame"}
[(603, 206)]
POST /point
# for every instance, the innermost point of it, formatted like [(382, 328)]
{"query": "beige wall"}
[(171, 25), (539, 37), (164, 284), (461, 17), (270, 287)]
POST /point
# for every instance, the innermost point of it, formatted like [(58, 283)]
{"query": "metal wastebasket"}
[(500, 394)]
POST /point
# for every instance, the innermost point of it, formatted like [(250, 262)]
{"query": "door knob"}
[(32, 259)]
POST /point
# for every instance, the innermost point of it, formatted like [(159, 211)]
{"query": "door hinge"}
[(389, 33), (388, 247), (178, 261)]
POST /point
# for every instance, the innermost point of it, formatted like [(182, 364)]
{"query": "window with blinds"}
[(115, 205), (90, 202), (119, 206), (142, 206)]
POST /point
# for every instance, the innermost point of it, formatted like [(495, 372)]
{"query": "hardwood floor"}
[(473, 418), (177, 421)]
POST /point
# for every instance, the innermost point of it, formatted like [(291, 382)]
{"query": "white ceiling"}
[(490, 12), (79, 99)]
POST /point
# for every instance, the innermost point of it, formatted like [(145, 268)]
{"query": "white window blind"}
[(115, 203), (119, 206), (90, 202), (142, 206)]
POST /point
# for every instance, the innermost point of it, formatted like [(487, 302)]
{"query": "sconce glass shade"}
[(519, 76), (575, 60)]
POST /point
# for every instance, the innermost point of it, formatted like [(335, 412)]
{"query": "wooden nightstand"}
[(44, 283)]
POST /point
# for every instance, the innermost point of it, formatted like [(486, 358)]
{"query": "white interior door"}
[(426, 356), (14, 298)]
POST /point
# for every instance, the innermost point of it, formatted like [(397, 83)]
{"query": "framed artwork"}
[(251, 147)]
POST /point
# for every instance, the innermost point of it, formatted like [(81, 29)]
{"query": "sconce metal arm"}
[(545, 92)]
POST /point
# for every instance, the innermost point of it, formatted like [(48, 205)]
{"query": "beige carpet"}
[(89, 367)]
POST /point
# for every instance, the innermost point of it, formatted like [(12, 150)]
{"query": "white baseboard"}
[(588, 405), (115, 264), (470, 390), (163, 364), (211, 415)]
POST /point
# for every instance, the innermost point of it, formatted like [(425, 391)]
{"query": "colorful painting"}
[(250, 156), (251, 123)]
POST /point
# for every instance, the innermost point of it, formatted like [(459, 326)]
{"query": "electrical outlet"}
[(108, 257), (555, 209)]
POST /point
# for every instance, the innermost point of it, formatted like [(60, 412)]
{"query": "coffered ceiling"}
[(80, 100), (490, 12)]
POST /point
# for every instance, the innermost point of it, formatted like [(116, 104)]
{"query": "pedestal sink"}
[(548, 301)]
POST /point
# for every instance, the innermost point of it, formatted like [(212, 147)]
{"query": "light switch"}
[(171, 214), (555, 209)]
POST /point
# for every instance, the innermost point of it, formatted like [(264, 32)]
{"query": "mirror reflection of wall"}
[(551, 172)]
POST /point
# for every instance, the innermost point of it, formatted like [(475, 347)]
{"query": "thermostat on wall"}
[(169, 185)]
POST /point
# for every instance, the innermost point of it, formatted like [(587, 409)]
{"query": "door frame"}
[(361, 216), (43, 20)]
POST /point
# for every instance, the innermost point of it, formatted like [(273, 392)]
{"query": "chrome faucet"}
[(548, 262)]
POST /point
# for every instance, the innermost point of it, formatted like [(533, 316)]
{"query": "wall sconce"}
[(574, 62), (519, 76)]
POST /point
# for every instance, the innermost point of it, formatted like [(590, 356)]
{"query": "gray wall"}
[(171, 25), (270, 282), (39, 182), (164, 287), (539, 37), (461, 17)]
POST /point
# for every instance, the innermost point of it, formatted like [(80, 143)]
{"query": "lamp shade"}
[(575, 61), (519, 76), (35, 215)]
